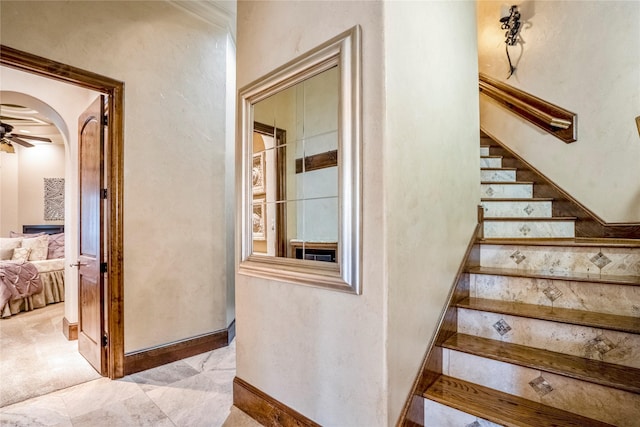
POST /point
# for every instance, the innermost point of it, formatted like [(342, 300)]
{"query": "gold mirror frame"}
[(344, 51)]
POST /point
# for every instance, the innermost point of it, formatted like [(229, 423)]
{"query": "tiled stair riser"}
[(490, 162), (506, 191), (592, 400), (586, 260), (437, 415), (498, 175), (592, 343), (484, 151), (517, 209), (598, 297), (528, 229)]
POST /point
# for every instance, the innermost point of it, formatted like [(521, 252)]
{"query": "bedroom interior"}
[(32, 246)]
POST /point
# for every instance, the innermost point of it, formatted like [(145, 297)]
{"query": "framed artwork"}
[(259, 231), (257, 173), (54, 199)]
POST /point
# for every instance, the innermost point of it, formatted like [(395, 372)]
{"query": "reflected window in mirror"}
[(300, 198)]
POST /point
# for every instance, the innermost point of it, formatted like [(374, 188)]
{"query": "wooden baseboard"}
[(70, 330), (265, 409), (157, 356)]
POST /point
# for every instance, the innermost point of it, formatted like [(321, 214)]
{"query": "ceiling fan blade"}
[(20, 141), (35, 138)]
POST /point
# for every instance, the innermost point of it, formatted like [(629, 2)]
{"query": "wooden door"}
[(91, 331)]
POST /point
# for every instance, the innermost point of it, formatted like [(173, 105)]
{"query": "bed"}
[(42, 281)]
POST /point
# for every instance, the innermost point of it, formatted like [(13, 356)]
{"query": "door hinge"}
[(105, 340), (103, 267), (103, 193), (105, 120)]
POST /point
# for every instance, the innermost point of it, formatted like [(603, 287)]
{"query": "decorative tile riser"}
[(438, 415), (498, 175), (591, 400), (597, 297), (559, 259), (484, 151), (490, 162), (529, 229), (517, 209), (593, 343), (506, 191)]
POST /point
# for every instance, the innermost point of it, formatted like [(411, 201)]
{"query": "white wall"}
[(582, 56), (174, 69), (64, 103), (320, 352)]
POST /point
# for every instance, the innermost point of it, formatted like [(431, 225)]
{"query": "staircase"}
[(548, 325)]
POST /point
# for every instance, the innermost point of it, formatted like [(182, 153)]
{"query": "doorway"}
[(112, 225)]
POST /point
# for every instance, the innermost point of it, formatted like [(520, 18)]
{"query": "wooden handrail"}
[(541, 115), (555, 120)]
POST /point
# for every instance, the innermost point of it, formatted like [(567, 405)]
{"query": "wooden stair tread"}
[(507, 182), (502, 408), (555, 314), (594, 371), (572, 241), (511, 199), (498, 169), (529, 218), (490, 157), (566, 276)]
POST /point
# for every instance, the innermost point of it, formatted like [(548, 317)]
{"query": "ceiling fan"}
[(7, 137)]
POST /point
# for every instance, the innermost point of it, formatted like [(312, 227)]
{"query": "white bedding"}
[(48, 265)]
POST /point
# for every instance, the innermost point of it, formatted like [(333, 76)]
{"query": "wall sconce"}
[(510, 19)]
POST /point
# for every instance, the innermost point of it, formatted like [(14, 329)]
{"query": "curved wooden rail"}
[(555, 120)]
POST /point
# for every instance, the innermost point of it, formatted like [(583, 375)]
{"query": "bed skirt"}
[(52, 292)]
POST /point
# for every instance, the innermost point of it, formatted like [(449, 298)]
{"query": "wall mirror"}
[(300, 134)]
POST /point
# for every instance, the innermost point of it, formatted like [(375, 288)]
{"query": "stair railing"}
[(555, 120)]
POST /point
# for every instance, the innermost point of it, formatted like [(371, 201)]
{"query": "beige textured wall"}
[(431, 170), (320, 352), (349, 360), (174, 69), (582, 56)]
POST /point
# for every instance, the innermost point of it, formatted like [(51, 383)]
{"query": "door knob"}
[(77, 264)]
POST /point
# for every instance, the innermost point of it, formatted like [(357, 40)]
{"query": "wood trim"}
[(412, 414), (265, 409), (314, 162), (161, 355), (70, 330), (114, 89), (588, 224), (555, 120), (280, 136)]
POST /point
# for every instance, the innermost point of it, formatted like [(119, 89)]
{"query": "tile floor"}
[(191, 392)]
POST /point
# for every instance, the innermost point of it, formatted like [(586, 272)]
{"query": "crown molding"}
[(221, 13)]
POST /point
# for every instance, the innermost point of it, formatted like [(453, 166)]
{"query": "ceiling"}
[(27, 121)]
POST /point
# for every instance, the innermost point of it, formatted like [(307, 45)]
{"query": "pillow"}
[(10, 242), (56, 246), (6, 254), (15, 234), (21, 254), (39, 247)]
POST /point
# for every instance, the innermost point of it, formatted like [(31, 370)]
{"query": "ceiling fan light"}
[(7, 148)]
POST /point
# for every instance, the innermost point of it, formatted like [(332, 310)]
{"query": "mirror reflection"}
[(295, 171)]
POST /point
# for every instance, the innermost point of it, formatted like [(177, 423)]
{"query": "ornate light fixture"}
[(511, 23)]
